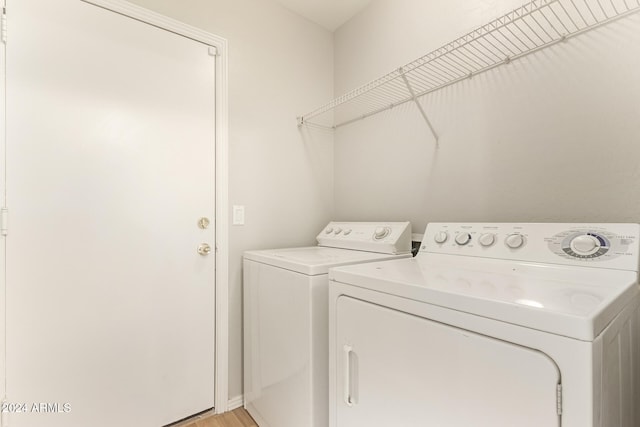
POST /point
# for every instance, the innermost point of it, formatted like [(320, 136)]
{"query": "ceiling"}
[(328, 13)]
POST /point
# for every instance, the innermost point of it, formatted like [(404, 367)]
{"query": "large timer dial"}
[(585, 245)]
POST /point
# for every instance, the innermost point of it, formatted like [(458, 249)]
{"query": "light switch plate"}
[(238, 215)]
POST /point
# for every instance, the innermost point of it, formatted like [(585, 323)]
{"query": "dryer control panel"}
[(381, 237), (602, 245)]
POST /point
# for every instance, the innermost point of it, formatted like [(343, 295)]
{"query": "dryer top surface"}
[(577, 302)]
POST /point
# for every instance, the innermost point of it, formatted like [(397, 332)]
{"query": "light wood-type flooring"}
[(236, 418)]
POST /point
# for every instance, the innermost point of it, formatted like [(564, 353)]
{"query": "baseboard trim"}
[(235, 402)]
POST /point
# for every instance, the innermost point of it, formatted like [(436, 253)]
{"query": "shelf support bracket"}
[(415, 99)]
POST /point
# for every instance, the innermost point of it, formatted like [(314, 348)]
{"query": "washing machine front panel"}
[(398, 369), (278, 369)]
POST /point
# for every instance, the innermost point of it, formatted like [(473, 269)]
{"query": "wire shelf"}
[(527, 29)]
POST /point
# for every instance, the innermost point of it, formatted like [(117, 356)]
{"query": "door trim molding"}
[(3, 204), (222, 178)]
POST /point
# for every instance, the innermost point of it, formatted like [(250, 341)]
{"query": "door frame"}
[(220, 44)]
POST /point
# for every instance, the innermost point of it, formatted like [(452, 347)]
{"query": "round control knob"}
[(441, 237), (514, 241), (338, 230), (585, 244), (487, 239), (347, 232), (329, 230), (463, 238), (381, 233)]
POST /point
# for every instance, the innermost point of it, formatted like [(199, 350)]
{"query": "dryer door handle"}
[(350, 375)]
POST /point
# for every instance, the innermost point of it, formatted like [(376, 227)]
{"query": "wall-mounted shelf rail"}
[(527, 29)]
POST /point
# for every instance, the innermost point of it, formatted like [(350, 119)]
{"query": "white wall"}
[(279, 66), (554, 136)]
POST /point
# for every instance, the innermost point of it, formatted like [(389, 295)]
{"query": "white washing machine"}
[(286, 324), (491, 325)]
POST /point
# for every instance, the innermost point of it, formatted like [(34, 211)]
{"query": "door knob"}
[(204, 249)]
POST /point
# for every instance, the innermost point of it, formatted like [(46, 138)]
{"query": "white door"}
[(110, 166), (395, 369)]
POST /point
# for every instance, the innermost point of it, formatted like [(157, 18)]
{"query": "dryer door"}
[(396, 369)]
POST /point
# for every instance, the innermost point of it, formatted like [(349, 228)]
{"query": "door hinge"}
[(4, 25), (559, 399), (213, 51), (4, 221)]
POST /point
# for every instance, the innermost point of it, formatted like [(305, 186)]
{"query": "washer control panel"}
[(608, 245), (589, 243), (382, 237)]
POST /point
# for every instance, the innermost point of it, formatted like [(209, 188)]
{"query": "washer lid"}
[(315, 260), (577, 302)]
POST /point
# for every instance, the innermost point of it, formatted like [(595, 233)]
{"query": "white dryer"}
[(286, 324), (491, 325)]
